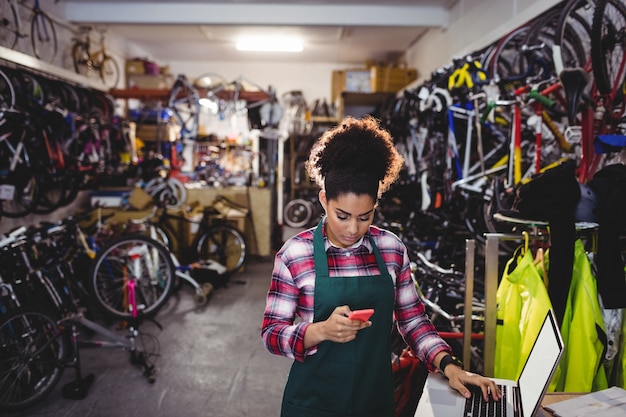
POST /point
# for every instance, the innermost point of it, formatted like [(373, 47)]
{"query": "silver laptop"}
[(520, 399)]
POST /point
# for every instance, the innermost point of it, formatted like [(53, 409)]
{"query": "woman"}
[(342, 367)]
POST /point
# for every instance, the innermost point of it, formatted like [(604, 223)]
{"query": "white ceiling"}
[(342, 31)]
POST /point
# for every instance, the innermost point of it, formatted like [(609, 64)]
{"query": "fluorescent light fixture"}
[(269, 44)]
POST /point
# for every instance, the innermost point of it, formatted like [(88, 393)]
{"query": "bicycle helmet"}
[(586, 209)]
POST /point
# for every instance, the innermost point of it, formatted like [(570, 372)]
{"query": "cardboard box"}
[(390, 79), (149, 133), (149, 82), (135, 66), (351, 80), (375, 79)]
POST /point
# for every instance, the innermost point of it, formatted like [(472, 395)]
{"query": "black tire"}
[(82, 61), (573, 33), (43, 37), (7, 93), (9, 32), (53, 190), (31, 359), (113, 266), (223, 244), (298, 213), (109, 72), (25, 197), (608, 43)]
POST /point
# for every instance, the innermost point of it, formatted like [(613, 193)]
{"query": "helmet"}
[(586, 210)]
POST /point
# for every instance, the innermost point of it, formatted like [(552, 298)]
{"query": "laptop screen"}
[(537, 372)]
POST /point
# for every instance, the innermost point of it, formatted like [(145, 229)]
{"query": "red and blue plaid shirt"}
[(291, 292)]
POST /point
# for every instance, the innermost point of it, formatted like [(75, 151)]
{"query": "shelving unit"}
[(24, 60), (359, 104)]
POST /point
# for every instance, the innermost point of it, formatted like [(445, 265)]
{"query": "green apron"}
[(351, 379)]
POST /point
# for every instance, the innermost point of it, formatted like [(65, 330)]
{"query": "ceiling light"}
[(269, 44)]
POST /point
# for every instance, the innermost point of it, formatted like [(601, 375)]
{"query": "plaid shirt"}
[(293, 285)]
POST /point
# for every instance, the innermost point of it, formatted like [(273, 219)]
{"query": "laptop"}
[(521, 398)]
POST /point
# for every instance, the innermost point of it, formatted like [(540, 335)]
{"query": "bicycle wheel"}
[(109, 72), (43, 37), (9, 29), (20, 193), (573, 34), (223, 244), (7, 93), (31, 355), (132, 259), (298, 212), (608, 43), (82, 61)]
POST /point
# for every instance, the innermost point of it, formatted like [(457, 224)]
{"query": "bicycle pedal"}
[(78, 389)]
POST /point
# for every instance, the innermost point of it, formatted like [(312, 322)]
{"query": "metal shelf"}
[(29, 61)]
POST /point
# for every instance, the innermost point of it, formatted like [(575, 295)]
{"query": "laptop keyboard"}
[(476, 406)]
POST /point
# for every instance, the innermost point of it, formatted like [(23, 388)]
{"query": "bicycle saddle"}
[(574, 81)]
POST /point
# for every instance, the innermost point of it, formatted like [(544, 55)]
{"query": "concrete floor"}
[(212, 363)]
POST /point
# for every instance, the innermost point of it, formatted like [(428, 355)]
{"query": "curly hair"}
[(357, 156)]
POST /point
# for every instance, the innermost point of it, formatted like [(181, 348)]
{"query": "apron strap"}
[(321, 261)]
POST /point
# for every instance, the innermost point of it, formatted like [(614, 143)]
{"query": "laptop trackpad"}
[(444, 397)]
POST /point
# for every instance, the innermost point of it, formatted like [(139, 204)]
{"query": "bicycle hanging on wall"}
[(43, 37)]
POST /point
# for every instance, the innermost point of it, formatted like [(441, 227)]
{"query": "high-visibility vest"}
[(522, 304), (581, 368)]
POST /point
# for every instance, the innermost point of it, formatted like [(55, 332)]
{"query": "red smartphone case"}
[(362, 315)]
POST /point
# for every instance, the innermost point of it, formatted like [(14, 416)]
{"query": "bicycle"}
[(88, 61), (42, 309), (43, 35), (215, 239)]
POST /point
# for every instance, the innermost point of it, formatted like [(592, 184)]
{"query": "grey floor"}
[(212, 362)]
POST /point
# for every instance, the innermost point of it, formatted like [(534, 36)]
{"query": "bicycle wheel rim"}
[(43, 37), (573, 34), (32, 353), (110, 276), (7, 93), (25, 196), (109, 72), (82, 62), (222, 244), (607, 53), (298, 213), (9, 29)]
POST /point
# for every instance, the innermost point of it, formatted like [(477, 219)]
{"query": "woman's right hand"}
[(337, 328)]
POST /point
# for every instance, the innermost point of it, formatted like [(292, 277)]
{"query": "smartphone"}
[(362, 315)]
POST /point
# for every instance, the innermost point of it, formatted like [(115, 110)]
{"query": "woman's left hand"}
[(460, 380)]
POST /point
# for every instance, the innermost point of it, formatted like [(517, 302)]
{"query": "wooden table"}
[(555, 397)]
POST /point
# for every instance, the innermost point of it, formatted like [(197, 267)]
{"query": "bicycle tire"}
[(573, 33), (223, 244), (109, 275), (53, 190), (298, 212), (25, 195), (9, 25), (7, 93), (109, 72), (505, 60), (43, 37), (607, 40), (32, 352), (82, 61)]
